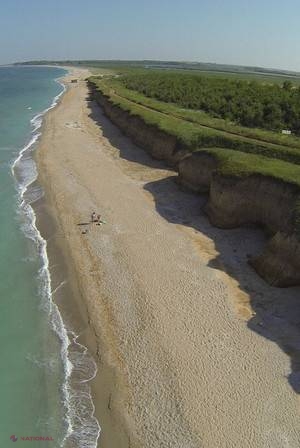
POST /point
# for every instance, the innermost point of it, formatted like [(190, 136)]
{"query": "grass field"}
[(195, 129), (248, 103), (201, 117), (239, 164)]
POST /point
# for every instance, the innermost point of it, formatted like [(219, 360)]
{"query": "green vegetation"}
[(237, 155), (239, 164), (198, 68), (251, 104), (202, 118), (186, 127)]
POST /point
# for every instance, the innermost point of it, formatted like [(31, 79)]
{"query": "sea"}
[(45, 372)]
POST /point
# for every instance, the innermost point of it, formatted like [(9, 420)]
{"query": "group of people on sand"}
[(95, 218)]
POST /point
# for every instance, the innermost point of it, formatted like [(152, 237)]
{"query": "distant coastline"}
[(175, 65)]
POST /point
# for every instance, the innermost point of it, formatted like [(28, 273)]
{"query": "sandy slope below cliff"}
[(180, 367)]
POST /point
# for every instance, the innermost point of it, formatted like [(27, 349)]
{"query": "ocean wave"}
[(82, 427)]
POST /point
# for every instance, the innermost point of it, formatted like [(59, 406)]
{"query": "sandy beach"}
[(188, 356)]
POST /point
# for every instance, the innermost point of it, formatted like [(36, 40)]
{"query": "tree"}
[(287, 85)]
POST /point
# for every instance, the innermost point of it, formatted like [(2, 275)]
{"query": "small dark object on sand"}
[(84, 231)]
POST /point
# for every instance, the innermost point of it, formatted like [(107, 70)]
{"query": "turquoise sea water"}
[(36, 397)]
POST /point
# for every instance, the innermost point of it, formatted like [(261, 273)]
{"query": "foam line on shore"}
[(77, 402)]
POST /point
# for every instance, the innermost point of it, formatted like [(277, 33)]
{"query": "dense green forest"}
[(249, 103), (189, 131)]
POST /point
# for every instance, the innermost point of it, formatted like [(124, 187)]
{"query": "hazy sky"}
[(247, 32)]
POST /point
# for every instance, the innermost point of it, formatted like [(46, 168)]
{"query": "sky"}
[(262, 33)]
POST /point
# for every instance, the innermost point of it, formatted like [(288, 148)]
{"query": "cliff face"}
[(260, 200), (279, 264), (266, 202), (157, 143), (233, 201), (195, 172), (252, 200)]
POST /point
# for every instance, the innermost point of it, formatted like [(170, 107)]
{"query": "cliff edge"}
[(233, 200)]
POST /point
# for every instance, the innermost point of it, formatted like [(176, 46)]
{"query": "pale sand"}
[(178, 365)]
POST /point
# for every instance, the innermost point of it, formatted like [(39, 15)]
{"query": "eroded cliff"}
[(156, 142), (232, 200), (235, 201)]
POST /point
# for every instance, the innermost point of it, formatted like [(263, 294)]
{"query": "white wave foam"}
[(36, 122), (78, 402)]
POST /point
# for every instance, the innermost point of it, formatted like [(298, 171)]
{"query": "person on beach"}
[(93, 217)]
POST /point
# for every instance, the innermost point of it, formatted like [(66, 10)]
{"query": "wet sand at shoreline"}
[(178, 366)]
